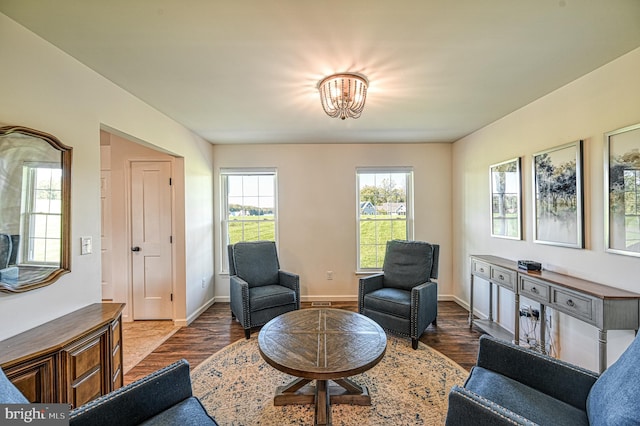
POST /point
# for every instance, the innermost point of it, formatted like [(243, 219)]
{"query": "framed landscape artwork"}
[(622, 187), (557, 196), (505, 184)]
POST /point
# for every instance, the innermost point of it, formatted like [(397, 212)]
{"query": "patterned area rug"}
[(407, 388)]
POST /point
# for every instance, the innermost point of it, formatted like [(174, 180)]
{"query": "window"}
[(385, 212), (249, 207), (42, 216), (632, 207)]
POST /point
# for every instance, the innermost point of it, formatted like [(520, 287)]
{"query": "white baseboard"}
[(354, 298), (334, 298), (195, 314)]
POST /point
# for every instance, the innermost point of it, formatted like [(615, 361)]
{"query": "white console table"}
[(604, 307)]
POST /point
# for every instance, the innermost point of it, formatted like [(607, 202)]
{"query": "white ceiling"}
[(245, 71)]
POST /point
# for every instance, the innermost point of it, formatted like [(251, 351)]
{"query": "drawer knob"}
[(481, 269), (570, 303), (534, 290), (501, 277)]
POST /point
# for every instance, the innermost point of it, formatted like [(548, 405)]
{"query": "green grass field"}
[(374, 235)]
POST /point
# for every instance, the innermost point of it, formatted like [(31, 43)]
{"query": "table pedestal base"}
[(322, 395)]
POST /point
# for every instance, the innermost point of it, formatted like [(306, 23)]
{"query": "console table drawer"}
[(480, 269), (534, 289), (573, 304), (504, 277)]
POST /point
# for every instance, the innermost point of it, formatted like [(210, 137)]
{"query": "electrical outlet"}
[(329, 275), (204, 281)]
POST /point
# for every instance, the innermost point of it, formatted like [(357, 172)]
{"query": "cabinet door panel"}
[(35, 380)]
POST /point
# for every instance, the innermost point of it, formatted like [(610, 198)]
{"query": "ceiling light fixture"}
[(343, 95)]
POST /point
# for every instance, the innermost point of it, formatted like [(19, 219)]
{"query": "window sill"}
[(372, 272)]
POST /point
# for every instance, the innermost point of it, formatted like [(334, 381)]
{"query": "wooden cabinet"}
[(72, 359)]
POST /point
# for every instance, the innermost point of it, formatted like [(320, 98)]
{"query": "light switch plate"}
[(85, 245)]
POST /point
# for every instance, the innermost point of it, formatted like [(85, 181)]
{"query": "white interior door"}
[(151, 239)]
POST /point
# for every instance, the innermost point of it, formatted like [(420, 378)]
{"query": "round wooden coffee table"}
[(322, 345)]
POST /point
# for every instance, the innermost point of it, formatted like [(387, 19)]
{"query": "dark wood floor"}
[(214, 329)]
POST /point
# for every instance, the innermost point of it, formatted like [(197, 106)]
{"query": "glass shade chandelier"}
[(343, 95)]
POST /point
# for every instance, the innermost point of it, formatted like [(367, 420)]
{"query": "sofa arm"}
[(469, 408), (561, 380), (138, 401), (239, 298), (367, 285)]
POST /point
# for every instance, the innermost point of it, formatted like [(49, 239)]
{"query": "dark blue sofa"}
[(511, 385), (161, 398)]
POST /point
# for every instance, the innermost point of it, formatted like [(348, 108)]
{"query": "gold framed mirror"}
[(35, 189)]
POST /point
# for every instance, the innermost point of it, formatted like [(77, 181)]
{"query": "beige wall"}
[(46, 89), (604, 100), (317, 207)]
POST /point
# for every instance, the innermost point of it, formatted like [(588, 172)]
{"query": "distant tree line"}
[(386, 192), (249, 210)]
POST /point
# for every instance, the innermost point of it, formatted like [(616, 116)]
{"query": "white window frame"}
[(408, 171), (29, 214), (224, 205)]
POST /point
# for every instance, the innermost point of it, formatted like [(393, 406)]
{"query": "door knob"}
[(135, 248)]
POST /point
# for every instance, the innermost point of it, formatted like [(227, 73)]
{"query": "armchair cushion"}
[(615, 397), (270, 296), (256, 262), (407, 263), (389, 300)]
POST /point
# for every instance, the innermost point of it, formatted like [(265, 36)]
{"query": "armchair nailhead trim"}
[(495, 408), (415, 302), (245, 307)]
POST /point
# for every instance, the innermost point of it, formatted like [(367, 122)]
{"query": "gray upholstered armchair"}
[(161, 398), (259, 290), (511, 385), (402, 299)]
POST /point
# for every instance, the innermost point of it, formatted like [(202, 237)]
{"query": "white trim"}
[(196, 313), (354, 298)]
